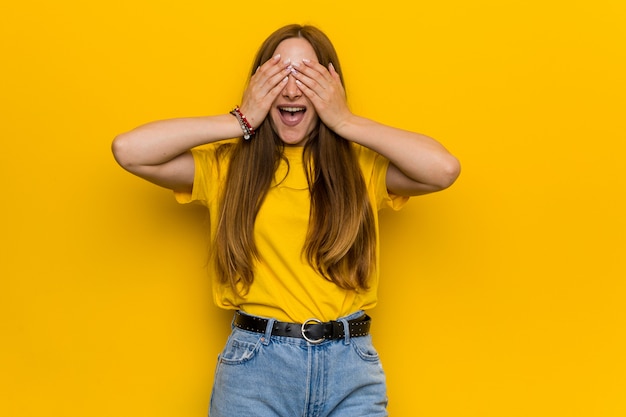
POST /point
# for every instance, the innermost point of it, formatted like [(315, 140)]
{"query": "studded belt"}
[(312, 330)]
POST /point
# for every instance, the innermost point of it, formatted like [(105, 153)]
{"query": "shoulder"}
[(213, 157), (211, 162), (218, 150), (370, 161)]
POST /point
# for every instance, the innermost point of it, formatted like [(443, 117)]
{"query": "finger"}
[(276, 79), (274, 72), (335, 75), (271, 62), (275, 91), (309, 87), (267, 69), (269, 75), (333, 72), (308, 92), (318, 102), (317, 68), (310, 78), (325, 88)]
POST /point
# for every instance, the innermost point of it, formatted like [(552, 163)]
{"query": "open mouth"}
[(291, 116)]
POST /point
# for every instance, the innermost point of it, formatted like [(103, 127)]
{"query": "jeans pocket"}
[(240, 348), (365, 348)]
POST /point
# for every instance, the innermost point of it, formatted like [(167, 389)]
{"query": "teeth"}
[(292, 109)]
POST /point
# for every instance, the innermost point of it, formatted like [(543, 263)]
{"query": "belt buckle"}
[(303, 330)]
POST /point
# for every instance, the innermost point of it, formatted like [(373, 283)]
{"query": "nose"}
[(291, 90)]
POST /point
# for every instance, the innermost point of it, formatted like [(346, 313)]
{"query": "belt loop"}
[(268, 331), (346, 331)]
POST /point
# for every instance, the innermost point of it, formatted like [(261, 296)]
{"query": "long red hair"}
[(341, 238)]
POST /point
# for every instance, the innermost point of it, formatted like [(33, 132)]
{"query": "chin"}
[(293, 137), (293, 141)]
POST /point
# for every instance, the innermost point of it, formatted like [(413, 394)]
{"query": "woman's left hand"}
[(322, 86)]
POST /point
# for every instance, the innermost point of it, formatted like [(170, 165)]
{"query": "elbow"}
[(449, 171), (437, 176), (121, 151)]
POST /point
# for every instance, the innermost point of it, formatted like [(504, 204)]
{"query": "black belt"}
[(312, 330)]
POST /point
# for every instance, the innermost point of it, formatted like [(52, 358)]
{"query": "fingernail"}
[(331, 65), (277, 57), (288, 61), (306, 61)]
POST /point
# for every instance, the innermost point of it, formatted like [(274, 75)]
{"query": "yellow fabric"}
[(285, 287)]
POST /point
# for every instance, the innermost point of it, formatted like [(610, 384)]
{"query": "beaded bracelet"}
[(247, 129)]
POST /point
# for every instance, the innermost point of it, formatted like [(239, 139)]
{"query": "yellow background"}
[(501, 297)]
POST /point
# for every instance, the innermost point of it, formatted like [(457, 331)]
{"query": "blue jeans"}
[(270, 376)]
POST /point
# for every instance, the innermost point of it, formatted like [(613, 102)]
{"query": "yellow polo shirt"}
[(285, 286)]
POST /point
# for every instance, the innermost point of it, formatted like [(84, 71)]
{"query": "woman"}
[(292, 202)]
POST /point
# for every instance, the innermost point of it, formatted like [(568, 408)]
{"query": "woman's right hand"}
[(159, 151), (264, 86)]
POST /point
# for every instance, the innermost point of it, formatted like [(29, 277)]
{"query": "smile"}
[(291, 116), (292, 110)]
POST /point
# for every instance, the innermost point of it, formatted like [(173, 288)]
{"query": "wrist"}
[(345, 125), (246, 127)]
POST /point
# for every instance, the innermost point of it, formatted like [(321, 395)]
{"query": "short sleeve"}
[(374, 168), (384, 198), (207, 177)]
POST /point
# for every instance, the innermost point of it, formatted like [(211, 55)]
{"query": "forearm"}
[(158, 142), (420, 158), (420, 164)]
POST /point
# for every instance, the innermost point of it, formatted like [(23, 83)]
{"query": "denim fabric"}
[(269, 376)]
